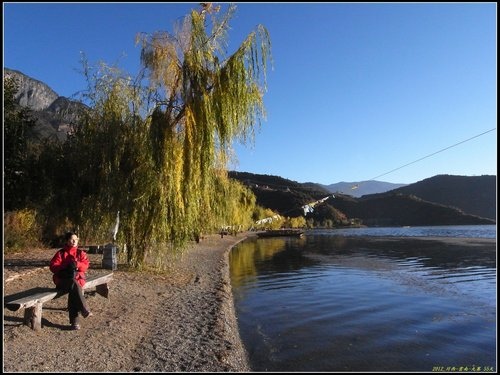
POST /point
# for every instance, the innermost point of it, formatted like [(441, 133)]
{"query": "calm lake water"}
[(363, 300)]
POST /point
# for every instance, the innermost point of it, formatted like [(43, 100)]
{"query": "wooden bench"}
[(32, 300)]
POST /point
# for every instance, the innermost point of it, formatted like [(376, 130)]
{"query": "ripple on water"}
[(352, 309)]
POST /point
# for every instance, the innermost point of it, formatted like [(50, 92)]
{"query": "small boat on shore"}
[(281, 233)]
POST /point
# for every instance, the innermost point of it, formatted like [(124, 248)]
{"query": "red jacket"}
[(64, 257)]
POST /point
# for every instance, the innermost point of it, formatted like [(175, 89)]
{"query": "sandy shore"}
[(183, 320)]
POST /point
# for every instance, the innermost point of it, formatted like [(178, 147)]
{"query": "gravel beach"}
[(182, 320)]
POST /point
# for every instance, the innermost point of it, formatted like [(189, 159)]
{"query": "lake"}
[(369, 299)]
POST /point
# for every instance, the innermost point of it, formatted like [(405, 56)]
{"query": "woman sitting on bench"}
[(69, 265)]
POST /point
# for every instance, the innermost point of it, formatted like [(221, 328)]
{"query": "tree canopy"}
[(157, 152)]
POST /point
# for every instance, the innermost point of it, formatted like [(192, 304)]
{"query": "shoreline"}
[(182, 320)]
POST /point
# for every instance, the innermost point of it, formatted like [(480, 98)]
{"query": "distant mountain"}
[(393, 208), (53, 114), (271, 182), (32, 93), (358, 189), (403, 210), (475, 195), (280, 194)]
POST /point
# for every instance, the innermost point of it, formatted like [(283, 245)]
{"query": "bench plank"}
[(98, 280), (31, 300), (33, 303)]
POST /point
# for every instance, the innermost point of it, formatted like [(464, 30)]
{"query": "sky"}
[(395, 92)]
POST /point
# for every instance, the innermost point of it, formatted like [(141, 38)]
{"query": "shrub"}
[(21, 230)]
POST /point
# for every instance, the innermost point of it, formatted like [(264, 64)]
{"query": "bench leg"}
[(103, 290), (33, 317)]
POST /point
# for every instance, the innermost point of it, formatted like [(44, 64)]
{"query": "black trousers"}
[(76, 298)]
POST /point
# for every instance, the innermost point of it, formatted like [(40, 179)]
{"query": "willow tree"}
[(206, 99), (110, 156), (159, 156)]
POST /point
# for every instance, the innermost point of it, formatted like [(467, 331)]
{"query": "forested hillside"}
[(394, 208), (474, 195)]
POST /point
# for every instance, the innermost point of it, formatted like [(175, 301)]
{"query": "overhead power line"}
[(434, 153)]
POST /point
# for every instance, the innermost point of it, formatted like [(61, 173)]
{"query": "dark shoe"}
[(75, 326), (86, 313)]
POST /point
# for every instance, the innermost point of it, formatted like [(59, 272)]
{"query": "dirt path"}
[(180, 321)]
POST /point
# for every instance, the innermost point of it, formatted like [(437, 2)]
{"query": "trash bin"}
[(109, 257)]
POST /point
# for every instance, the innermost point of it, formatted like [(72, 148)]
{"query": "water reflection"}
[(455, 231), (279, 255), (431, 253), (275, 254), (340, 303)]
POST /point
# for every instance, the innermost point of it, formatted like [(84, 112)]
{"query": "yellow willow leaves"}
[(164, 168), (160, 54)]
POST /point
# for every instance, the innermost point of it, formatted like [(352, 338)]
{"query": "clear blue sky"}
[(356, 90)]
